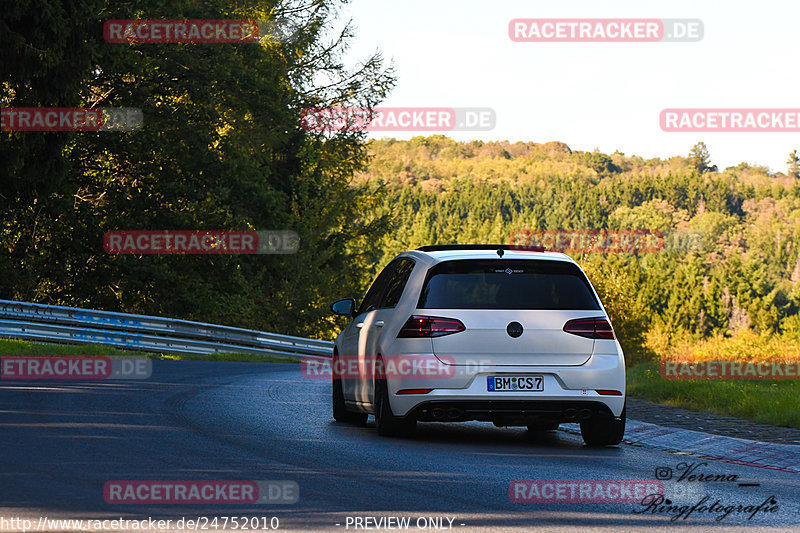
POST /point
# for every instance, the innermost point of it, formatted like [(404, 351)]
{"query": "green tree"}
[(794, 164), (700, 159), (601, 163), (221, 148)]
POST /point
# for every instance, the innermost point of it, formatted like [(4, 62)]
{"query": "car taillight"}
[(429, 326), (591, 328)]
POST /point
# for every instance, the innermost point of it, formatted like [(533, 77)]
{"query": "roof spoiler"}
[(497, 247)]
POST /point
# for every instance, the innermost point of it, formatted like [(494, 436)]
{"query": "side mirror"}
[(344, 307)]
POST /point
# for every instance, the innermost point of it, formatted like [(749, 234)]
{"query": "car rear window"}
[(507, 284)]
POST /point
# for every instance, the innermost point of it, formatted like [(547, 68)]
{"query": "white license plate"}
[(515, 383)]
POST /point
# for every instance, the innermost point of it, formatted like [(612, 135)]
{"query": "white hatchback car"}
[(480, 332)]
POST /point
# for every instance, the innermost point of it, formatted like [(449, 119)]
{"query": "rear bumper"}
[(565, 385), (510, 412)]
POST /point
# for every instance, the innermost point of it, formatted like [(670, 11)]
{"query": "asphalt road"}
[(60, 442)]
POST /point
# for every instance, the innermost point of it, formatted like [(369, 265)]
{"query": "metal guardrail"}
[(72, 325)]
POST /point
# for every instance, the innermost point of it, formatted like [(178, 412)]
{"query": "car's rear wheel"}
[(340, 412), (600, 431), (386, 423)]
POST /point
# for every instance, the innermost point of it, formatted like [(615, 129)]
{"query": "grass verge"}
[(769, 402)]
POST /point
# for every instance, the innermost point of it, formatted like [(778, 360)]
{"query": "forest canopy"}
[(740, 274)]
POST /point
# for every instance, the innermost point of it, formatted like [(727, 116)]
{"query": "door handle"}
[(379, 324), (360, 325)]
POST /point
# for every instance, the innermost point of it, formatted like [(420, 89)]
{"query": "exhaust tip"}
[(454, 413), (438, 413), (585, 414)]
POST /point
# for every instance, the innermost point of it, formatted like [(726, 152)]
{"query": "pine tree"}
[(701, 159), (794, 165)]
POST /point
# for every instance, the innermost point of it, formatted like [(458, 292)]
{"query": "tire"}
[(386, 423), (600, 431), (539, 427), (340, 412)]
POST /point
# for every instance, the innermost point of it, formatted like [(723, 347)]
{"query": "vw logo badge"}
[(514, 329)]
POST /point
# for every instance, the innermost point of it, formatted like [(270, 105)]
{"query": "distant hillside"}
[(741, 271), (429, 161)]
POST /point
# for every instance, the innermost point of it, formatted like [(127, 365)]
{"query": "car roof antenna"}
[(500, 252)]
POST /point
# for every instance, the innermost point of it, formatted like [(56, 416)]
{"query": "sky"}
[(606, 96)]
